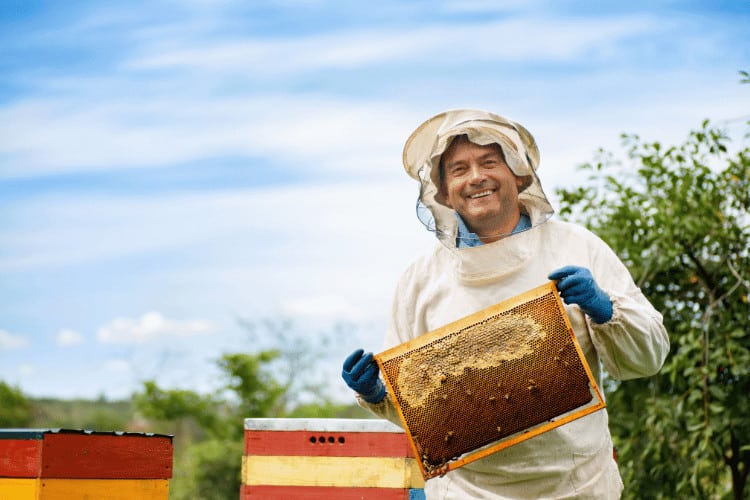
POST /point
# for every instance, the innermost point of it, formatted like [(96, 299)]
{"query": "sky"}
[(183, 179)]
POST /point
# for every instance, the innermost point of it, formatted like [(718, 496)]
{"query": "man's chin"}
[(480, 216), (490, 221)]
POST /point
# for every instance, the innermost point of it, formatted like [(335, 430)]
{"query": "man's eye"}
[(456, 171)]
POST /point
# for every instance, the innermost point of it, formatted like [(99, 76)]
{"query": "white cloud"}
[(534, 39), (85, 128), (67, 337), (148, 327), (319, 132), (485, 6), (96, 123), (222, 224), (9, 341)]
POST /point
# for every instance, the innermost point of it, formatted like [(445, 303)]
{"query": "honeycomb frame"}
[(489, 381)]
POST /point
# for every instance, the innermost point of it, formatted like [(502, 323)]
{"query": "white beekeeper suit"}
[(571, 461)]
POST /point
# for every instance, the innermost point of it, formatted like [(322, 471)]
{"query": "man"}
[(481, 195)]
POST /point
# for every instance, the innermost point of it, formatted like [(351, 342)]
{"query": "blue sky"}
[(170, 170)]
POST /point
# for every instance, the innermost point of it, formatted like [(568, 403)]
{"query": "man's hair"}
[(462, 138)]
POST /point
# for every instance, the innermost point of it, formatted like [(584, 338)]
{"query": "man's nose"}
[(476, 174)]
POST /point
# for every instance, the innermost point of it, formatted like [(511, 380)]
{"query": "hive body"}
[(328, 459), (66, 464)]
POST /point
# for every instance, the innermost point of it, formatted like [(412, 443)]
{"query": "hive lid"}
[(490, 380)]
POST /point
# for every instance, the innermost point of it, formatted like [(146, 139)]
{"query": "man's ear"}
[(523, 182)]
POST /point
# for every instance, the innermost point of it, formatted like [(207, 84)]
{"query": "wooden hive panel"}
[(490, 380), (53, 464), (328, 459)]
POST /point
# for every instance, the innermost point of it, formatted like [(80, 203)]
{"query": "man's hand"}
[(577, 286), (361, 374)]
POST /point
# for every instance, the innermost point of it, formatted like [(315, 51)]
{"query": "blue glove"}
[(577, 286), (361, 374)]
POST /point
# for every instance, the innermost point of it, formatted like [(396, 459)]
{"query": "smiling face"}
[(479, 185)]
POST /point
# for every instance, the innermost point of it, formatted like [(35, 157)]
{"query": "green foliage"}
[(177, 405), (105, 419), (15, 409), (209, 470), (257, 390), (326, 409), (679, 218), (98, 415), (279, 381), (300, 352)]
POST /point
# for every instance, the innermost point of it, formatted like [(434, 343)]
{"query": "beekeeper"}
[(481, 196)]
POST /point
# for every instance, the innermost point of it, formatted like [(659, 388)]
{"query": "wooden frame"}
[(507, 342)]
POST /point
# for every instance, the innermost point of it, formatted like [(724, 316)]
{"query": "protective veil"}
[(427, 144), (574, 460)]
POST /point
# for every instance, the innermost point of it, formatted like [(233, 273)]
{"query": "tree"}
[(256, 390), (15, 409), (283, 378), (678, 217), (210, 469), (302, 353)]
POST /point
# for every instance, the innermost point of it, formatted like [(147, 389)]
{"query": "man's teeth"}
[(481, 194)]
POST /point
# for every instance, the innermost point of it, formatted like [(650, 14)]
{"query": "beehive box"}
[(57, 464), (328, 459), (490, 380)]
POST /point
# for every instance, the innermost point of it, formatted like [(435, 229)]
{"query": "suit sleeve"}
[(634, 342)]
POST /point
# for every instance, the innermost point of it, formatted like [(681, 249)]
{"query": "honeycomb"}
[(490, 380)]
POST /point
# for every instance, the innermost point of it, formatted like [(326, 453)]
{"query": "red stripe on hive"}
[(102, 456), (20, 457), (327, 444), (321, 493)]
